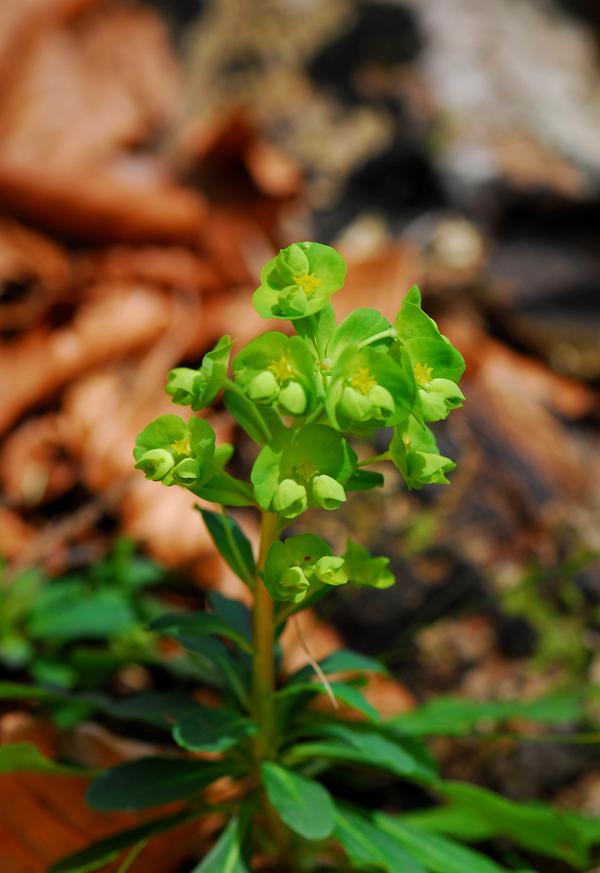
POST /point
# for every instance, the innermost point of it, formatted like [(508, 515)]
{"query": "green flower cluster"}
[(303, 398)]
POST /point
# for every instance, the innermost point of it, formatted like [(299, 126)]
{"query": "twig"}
[(313, 663)]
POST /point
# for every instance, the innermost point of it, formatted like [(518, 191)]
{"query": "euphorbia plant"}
[(262, 753)]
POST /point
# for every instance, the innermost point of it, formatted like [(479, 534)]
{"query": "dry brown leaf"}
[(34, 465)]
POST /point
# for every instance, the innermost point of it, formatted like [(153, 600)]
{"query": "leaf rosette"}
[(303, 468), (299, 281)]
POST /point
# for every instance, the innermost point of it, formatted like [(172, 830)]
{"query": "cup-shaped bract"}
[(436, 364), (275, 369), (198, 388), (414, 451), (364, 569), (176, 452), (289, 572), (369, 388), (299, 281), (295, 470)]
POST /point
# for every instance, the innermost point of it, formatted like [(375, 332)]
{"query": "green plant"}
[(267, 754)]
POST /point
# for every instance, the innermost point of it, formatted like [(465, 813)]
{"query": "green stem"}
[(263, 667), (374, 459), (391, 331), (131, 856)]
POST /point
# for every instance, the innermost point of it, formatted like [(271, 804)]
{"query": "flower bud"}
[(382, 400), (327, 492), (439, 398), (292, 262), (355, 404), (155, 463), (292, 398), (180, 384), (263, 388), (294, 584), (290, 498), (330, 570), (295, 298), (186, 471)]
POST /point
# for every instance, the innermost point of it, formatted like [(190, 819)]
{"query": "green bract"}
[(414, 451), (277, 369), (436, 364), (290, 569), (198, 388), (176, 452), (365, 570), (301, 468), (299, 281)]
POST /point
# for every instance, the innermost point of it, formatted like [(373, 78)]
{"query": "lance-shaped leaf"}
[(342, 661), (188, 627), (27, 758), (299, 281), (304, 805), (232, 544), (224, 489), (212, 730), (106, 850), (198, 388), (227, 855), (343, 693), (151, 782), (368, 846)]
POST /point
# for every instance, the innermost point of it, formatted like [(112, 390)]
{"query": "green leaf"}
[(365, 569), (248, 416), (536, 827), (187, 627), (344, 693), (151, 782), (96, 616), (226, 856), (357, 328), (364, 480), (438, 854), (103, 851), (303, 804), (27, 758), (363, 745), (212, 730), (342, 661), (366, 844), (452, 716), (225, 489), (232, 544)]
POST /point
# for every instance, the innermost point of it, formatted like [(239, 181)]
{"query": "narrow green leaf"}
[(438, 854), (96, 615), (364, 480), (25, 757), (342, 661), (225, 489), (226, 855), (247, 416), (359, 744), (212, 730), (186, 627), (304, 805), (452, 716), (366, 844), (151, 782), (232, 544), (344, 693), (103, 851)]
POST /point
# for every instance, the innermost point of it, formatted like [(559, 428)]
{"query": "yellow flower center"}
[(422, 374), (182, 446), (281, 369), (308, 282), (305, 469), (362, 380)]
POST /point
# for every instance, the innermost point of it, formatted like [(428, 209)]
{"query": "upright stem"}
[(263, 669)]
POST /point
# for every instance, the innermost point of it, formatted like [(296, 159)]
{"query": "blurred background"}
[(153, 155)]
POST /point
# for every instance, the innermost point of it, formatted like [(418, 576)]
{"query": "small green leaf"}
[(225, 489), (212, 730), (232, 544), (27, 758), (226, 856), (303, 804), (344, 693), (367, 845), (248, 416), (364, 480), (438, 854), (96, 616), (342, 661), (151, 782), (187, 627), (103, 851)]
